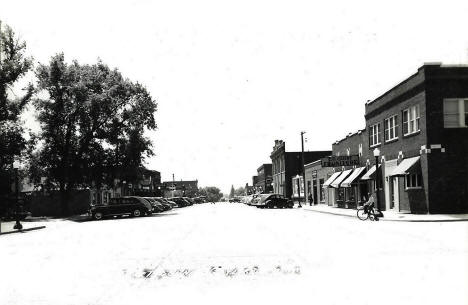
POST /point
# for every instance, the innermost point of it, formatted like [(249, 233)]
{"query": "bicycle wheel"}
[(372, 215), (361, 214)]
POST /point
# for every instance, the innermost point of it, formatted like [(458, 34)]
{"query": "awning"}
[(370, 173), (353, 177), (405, 166), (343, 176), (390, 167), (331, 179)]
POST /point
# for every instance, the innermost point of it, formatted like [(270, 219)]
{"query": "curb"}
[(387, 219), (23, 230)]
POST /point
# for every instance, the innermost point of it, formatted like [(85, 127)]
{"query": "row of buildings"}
[(41, 201), (417, 134)]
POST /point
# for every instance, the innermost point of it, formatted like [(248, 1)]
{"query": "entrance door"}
[(314, 190), (395, 194)]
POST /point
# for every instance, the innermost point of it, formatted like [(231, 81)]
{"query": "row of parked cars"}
[(268, 201), (136, 206)]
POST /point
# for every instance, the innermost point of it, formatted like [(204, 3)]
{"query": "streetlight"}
[(299, 190), (18, 225), (303, 170), (376, 155)]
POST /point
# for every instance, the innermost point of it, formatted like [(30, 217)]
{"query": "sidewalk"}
[(388, 215), (7, 227)]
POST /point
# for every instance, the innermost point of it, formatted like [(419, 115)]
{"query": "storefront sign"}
[(335, 161)]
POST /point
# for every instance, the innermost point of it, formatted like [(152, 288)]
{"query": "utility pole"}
[(173, 185), (303, 169)]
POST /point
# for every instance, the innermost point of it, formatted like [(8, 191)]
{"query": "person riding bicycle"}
[(370, 202)]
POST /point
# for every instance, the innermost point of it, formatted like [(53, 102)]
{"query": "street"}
[(230, 253)]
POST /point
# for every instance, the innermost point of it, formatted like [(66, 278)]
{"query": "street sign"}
[(335, 161)]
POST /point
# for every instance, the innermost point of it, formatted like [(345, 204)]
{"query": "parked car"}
[(179, 201), (189, 200), (157, 206), (171, 203), (271, 201), (132, 205), (167, 206)]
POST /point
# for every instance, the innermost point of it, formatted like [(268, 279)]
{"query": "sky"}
[(230, 77)]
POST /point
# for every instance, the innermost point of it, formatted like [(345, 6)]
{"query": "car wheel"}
[(98, 215), (136, 213)]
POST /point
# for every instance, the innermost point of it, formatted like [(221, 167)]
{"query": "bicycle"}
[(368, 211)]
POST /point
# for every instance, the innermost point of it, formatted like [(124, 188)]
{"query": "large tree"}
[(212, 193), (13, 66), (93, 122)]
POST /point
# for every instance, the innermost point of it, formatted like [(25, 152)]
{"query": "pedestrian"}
[(311, 199)]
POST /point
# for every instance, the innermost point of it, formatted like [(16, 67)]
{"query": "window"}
[(455, 113), (374, 135), (413, 181), (391, 130), (411, 117)]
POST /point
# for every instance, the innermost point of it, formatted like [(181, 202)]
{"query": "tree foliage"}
[(13, 66), (93, 122), (231, 193), (211, 192)]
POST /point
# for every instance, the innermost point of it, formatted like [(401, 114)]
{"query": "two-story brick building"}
[(286, 165), (421, 129), (264, 178)]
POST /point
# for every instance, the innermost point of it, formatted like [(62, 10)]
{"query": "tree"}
[(93, 122), (212, 193), (239, 191), (13, 66), (231, 193)]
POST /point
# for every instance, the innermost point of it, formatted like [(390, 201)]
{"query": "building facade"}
[(264, 180), (316, 175), (286, 165), (421, 129), (187, 188)]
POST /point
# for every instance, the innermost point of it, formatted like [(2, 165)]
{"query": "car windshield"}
[(263, 197)]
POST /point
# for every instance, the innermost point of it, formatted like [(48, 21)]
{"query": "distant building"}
[(286, 165), (187, 188), (264, 180)]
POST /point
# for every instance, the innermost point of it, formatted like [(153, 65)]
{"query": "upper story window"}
[(374, 135), (411, 119), (455, 113), (391, 130), (360, 149)]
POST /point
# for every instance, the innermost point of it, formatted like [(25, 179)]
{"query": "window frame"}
[(388, 128), (413, 120), (462, 112), (410, 184), (374, 132)]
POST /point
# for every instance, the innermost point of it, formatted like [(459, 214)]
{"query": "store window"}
[(391, 130), (411, 118), (413, 181), (374, 134), (455, 113)]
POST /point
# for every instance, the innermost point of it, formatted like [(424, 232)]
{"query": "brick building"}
[(420, 127), (316, 175), (286, 165), (264, 180), (347, 187), (188, 188)]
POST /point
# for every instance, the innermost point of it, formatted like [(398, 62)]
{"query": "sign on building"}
[(335, 161)]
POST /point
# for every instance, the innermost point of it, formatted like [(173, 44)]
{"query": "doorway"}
[(395, 202)]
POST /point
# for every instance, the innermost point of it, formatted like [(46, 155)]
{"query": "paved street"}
[(234, 254)]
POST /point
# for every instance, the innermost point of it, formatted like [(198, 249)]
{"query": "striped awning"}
[(354, 177), (370, 173), (331, 179), (341, 178)]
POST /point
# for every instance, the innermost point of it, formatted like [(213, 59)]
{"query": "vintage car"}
[(132, 206)]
